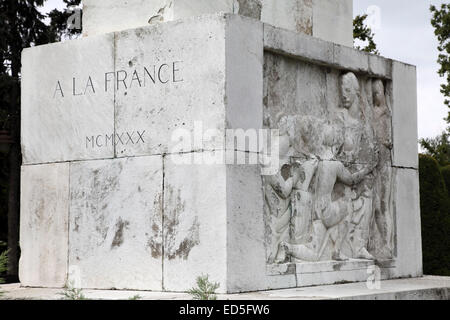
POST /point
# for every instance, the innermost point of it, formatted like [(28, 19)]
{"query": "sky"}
[(402, 32), (405, 33)]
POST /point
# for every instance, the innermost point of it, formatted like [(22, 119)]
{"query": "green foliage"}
[(435, 216), (446, 175), (3, 264), (364, 33), (438, 148), (441, 22), (71, 293), (136, 297), (205, 289)]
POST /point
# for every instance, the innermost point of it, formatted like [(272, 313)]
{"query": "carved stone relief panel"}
[(332, 197)]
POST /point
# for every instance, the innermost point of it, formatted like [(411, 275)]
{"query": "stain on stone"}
[(39, 212), (159, 17), (286, 171), (171, 219), (103, 231), (189, 242), (77, 226), (304, 22), (172, 246), (337, 266), (250, 8), (154, 238), (118, 237), (155, 248)]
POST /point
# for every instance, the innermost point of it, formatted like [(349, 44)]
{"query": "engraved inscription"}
[(121, 80), (114, 139)]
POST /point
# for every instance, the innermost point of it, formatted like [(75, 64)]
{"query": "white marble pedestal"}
[(105, 204)]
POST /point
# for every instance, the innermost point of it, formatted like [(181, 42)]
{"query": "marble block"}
[(405, 152), (153, 87), (330, 20), (66, 111), (333, 21), (44, 216), (195, 220), (408, 224), (115, 235), (216, 231), (188, 86)]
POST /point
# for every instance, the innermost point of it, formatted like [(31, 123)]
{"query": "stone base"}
[(425, 288), (109, 202), (331, 272)]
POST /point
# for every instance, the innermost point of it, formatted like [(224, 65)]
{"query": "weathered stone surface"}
[(149, 220), (333, 21), (244, 73), (188, 8), (64, 102), (107, 16), (424, 288), (195, 224), (302, 47), (116, 223), (404, 122), (297, 45), (347, 58), (245, 230), (44, 225), (295, 15), (408, 230), (189, 86), (220, 88), (318, 18), (380, 67), (335, 175)]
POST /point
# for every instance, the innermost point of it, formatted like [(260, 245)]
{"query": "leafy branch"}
[(205, 289)]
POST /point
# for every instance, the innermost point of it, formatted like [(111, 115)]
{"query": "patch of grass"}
[(71, 293), (3, 264), (205, 289), (3, 267), (136, 297)]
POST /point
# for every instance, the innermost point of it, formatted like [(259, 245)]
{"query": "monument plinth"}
[(329, 20), (129, 180)]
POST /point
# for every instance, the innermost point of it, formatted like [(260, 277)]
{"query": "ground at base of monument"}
[(424, 288)]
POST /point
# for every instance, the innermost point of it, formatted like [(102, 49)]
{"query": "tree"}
[(364, 33), (435, 216), (446, 175), (21, 25), (438, 148), (441, 23)]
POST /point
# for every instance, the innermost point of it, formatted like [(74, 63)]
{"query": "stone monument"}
[(118, 192)]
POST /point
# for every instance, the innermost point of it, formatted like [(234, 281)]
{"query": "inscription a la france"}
[(115, 81), (163, 73)]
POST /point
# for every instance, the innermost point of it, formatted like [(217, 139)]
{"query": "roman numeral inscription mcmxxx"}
[(124, 138)]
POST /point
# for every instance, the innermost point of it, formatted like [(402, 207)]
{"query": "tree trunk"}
[(15, 160), (15, 154), (13, 212)]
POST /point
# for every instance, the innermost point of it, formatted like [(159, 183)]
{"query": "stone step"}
[(424, 288)]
